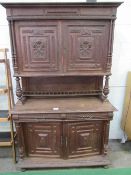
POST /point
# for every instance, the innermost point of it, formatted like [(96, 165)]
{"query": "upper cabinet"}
[(61, 39)]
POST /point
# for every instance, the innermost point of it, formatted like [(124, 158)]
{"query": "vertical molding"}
[(20, 139), (110, 45), (105, 137), (13, 45)]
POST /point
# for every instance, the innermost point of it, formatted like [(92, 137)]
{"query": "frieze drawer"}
[(63, 116)]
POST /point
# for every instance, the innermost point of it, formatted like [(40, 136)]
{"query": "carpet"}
[(81, 171)]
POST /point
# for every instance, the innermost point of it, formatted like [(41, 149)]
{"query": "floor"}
[(119, 155)]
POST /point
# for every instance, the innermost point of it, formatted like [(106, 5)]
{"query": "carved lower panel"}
[(43, 139), (85, 139)]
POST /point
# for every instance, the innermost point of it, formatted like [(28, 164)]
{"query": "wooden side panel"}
[(43, 139), (84, 138)]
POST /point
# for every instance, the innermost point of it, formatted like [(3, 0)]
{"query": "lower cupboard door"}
[(84, 138), (43, 139)]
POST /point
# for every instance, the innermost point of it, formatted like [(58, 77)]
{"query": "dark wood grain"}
[(62, 57), (35, 163)]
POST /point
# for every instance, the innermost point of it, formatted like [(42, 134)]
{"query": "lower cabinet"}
[(63, 139)]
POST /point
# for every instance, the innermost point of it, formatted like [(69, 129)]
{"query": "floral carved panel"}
[(85, 47), (39, 48)]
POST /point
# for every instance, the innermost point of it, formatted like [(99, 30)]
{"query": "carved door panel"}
[(84, 138), (86, 46), (43, 139), (37, 45)]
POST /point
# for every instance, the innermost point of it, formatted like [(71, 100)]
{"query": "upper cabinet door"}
[(37, 45), (86, 46)]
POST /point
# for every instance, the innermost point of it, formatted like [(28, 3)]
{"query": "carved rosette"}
[(39, 48)]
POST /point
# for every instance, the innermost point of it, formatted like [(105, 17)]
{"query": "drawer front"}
[(87, 116), (84, 138), (37, 46), (43, 139)]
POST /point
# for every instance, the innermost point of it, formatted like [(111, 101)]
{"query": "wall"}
[(121, 64), (121, 59)]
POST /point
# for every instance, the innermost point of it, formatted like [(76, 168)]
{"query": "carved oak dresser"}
[(62, 54)]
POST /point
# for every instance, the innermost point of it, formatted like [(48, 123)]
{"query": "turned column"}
[(19, 92), (105, 90), (18, 89)]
